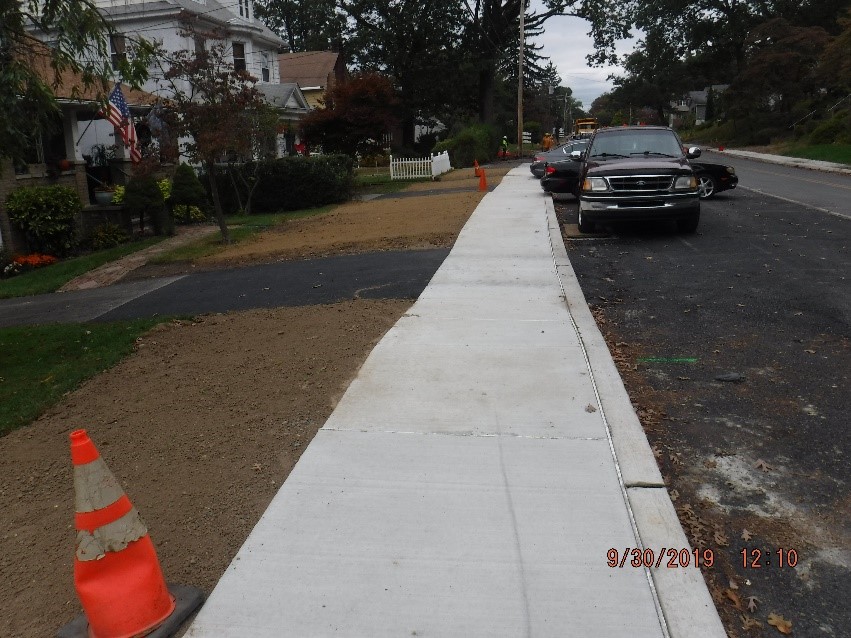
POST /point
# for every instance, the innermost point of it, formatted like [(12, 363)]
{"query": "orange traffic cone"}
[(476, 169), (483, 181), (116, 571)]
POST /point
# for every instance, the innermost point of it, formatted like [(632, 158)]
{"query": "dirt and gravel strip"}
[(203, 423)]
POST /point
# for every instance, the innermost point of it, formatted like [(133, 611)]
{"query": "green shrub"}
[(831, 130), (143, 196), (45, 214), (291, 183), (479, 142), (763, 136), (108, 235), (187, 197)]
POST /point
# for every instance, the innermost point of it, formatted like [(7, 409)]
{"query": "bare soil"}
[(203, 423)]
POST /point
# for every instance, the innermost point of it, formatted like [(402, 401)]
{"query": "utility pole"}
[(520, 82)]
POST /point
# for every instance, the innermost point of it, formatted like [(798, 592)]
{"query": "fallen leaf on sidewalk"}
[(722, 539), (752, 601), (746, 535), (733, 596), (762, 465), (590, 408), (733, 584), (750, 623), (780, 623)]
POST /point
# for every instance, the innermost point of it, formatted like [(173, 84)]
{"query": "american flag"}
[(119, 116)]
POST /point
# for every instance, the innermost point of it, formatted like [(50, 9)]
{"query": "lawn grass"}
[(380, 183), (51, 278), (839, 153), (241, 227), (42, 363)]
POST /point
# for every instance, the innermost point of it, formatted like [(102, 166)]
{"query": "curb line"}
[(686, 605)]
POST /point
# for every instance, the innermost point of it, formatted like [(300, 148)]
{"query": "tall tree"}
[(79, 42), (414, 43), (306, 25), (492, 33), (217, 108), (356, 117)]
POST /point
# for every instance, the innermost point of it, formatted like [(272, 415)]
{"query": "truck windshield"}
[(636, 143)]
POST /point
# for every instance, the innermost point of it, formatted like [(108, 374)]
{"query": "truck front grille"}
[(641, 183)]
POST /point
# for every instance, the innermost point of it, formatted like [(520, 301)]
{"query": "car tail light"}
[(550, 170)]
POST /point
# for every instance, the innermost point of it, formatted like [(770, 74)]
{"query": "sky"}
[(566, 42)]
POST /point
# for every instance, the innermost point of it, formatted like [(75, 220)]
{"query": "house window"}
[(117, 49), (243, 9), (264, 67), (239, 56)]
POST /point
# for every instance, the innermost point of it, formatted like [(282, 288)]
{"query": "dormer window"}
[(243, 9)]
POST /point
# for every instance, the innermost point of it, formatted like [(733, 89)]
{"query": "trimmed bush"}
[(479, 142), (144, 196), (108, 235), (291, 183), (45, 214)]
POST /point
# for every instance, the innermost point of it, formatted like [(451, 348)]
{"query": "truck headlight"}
[(685, 183), (595, 184)]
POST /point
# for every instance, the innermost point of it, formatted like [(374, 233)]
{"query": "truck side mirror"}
[(693, 152), (577, 155)]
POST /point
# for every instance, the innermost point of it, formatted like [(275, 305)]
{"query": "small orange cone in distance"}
[(116, 571), (476, 169), (483, 181)]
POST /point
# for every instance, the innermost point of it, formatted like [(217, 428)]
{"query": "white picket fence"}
[(417, 168)]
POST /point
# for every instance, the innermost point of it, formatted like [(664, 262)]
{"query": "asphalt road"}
[(384, 275), (763, 293), (821, 190)]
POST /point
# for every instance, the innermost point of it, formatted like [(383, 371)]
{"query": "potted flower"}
[(104, 194)]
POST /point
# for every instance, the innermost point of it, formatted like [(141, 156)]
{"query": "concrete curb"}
[(682, 594), (797, 162)]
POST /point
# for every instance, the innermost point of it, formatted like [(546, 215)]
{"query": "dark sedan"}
[(557, 154), (713, 178), (562, 176)]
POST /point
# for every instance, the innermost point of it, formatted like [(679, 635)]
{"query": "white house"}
[(253, 46)]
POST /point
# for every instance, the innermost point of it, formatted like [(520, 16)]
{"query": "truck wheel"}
[(688, 224), (584, 225)]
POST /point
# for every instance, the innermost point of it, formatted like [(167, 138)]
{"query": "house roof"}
[(308, 68), (210, 10), (284, 96), (68, 85)]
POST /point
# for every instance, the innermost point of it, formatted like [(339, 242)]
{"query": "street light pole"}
[(520, 83)]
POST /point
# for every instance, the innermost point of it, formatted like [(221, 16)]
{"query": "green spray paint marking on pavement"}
[(667, 359)]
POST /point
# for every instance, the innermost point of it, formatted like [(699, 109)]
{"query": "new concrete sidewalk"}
[(475, 474)]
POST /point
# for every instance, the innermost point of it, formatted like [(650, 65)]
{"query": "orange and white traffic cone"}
[(116, 571), (483, 181), (476, 169)]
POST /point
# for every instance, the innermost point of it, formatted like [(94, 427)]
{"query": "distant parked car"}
[(561, 153), (713, 178)]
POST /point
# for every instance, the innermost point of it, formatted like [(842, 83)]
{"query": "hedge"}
[(289, 183), (479, 142), (45, 214)]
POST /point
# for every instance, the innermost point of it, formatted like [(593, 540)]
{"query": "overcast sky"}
[(566, 43)]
